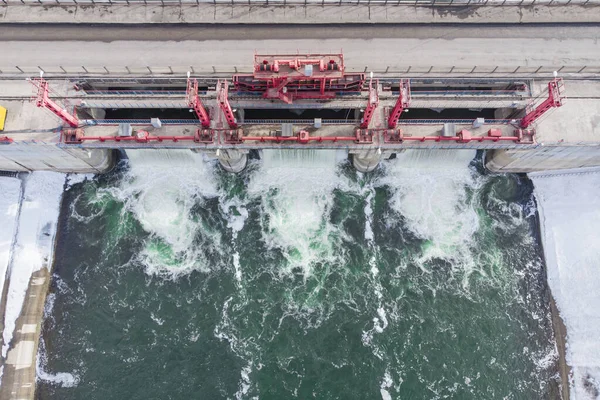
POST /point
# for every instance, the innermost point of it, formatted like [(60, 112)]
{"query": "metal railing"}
[(138, 92), (296, 121), (140, 121), (454, 121), (425, 3), (169, 72)]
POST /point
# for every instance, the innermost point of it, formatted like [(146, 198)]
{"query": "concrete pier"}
[(567, 138), (232, 160)]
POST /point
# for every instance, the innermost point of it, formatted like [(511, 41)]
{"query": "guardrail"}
[(295, 121), (424, 3), (454, 121), (140, 121), (196, 122), (211, 71)]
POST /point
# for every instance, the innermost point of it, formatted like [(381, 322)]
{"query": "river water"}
[(298, 278)]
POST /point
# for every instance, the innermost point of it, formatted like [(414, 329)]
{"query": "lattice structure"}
[(195, 103), (299, 76), (555, 99), (371, 105), (222, 96), (401, 104), (42, 99)]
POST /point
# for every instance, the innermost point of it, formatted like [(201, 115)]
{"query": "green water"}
[(407, 283)]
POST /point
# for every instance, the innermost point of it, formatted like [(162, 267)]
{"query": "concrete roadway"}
[(374, 46)]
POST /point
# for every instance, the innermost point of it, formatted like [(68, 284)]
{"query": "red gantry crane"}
[(299, 76)]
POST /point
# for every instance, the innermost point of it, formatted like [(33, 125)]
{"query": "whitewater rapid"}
[(569, 210), (299, 272)]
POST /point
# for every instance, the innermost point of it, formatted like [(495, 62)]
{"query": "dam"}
[(224, 224), (294, 101)]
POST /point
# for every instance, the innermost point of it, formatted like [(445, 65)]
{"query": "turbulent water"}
[(299, 278)]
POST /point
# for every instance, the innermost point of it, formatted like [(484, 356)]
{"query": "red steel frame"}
[(42, 99), (401, 104), (555, 99), (371, 105), (195, 103), (281, 77), (223, 89)]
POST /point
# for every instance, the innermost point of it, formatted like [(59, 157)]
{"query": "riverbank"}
[(27, 261), (560, 335), (568, 203)]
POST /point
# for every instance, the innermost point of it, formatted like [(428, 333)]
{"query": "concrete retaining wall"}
[(295, 14), (28, 156), (543, 158)]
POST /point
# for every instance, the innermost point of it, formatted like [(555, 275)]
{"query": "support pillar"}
[(232, 160), (366, 160)]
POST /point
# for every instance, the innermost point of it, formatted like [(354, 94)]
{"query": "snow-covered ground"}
[(10, 196), (34, 244), (569, 209)]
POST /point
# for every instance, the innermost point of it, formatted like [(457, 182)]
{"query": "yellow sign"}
[(2, 117)]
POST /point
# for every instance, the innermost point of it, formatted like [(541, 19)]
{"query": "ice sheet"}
[(569, 208), (10, 195), (35, 241)]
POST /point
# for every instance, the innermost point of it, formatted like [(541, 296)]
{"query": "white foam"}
[(569, 209), (430, 191), (73, 179), (369, 217), (236, 213), (244, 384), (296, 190), (64, 379), (34, 241), (10, 198), (386, 383), (160, 189)]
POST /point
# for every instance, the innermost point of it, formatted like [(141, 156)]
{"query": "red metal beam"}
[(371, 105), (401, 104), (555, 98), (43, 100), (223, 89), (299, 139), (195, 103)]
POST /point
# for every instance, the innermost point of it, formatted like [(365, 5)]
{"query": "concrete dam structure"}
[(302, 101)]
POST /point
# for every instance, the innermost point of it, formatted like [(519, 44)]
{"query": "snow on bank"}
[(34, 241), (10, 197), (569, 209)]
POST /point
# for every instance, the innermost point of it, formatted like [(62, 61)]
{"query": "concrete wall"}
[(543, 158), (29, 156)]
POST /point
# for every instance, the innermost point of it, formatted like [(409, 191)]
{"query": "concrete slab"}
[(28, 328), (295, 14), (509, 56), (21, 356), (576, 122)]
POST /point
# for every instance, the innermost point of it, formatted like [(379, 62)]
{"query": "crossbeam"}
[(194, 102), (401, 104), (554, 99), (42, 99), (223, 89), (371, 105)]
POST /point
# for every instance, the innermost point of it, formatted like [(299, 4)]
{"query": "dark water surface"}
[(422, 280)]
